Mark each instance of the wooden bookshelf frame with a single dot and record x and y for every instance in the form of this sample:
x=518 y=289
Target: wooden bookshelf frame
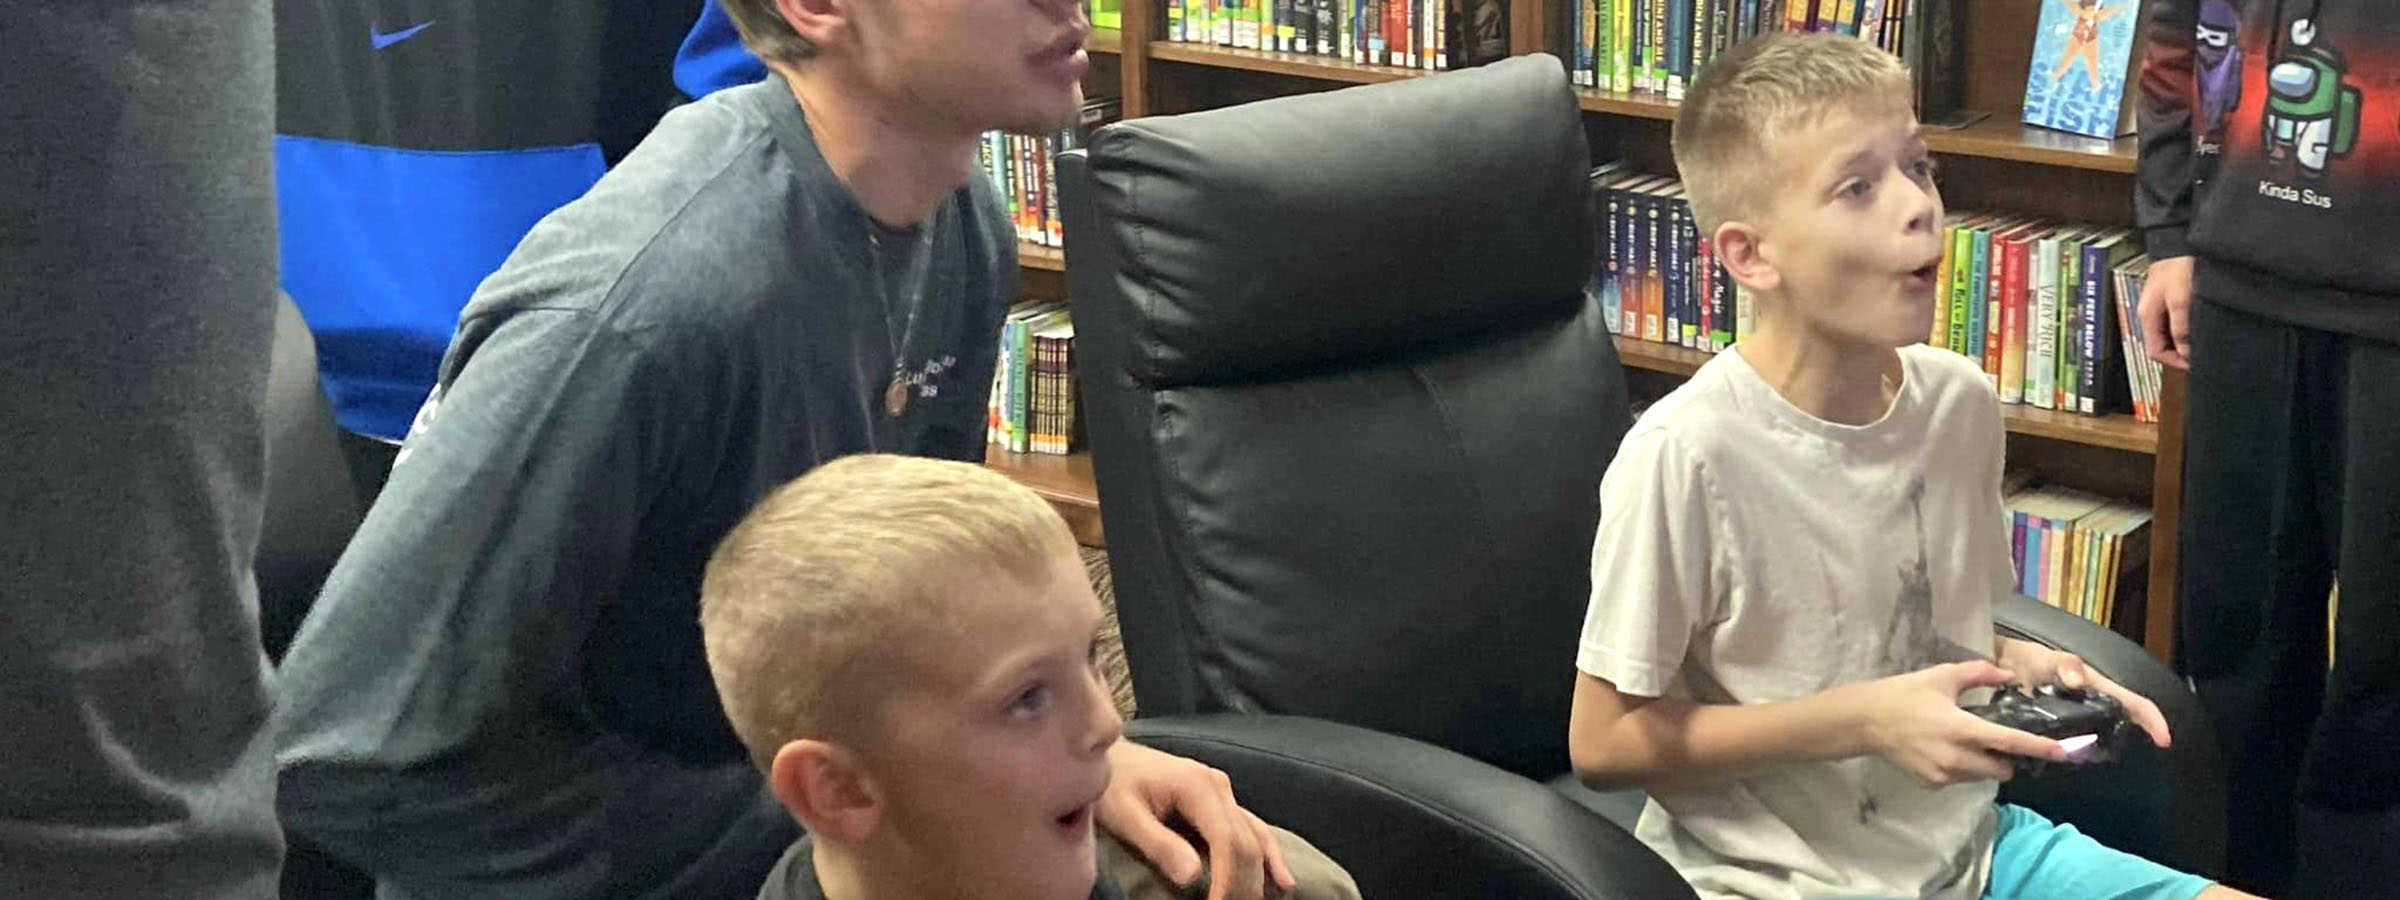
x=1995 y=159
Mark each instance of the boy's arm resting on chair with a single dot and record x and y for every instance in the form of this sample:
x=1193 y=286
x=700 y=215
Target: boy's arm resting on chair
x=1657 y=580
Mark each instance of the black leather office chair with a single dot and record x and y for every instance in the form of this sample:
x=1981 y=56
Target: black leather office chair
x=1349 y=408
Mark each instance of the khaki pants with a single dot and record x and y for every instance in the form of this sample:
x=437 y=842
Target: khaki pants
x=1315 y=876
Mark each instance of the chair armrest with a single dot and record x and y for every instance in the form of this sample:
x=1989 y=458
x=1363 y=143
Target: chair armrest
x=2167 y=806
x=1409 y=819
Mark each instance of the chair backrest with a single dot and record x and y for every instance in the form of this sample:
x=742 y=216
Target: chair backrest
x=311 y=506
x=1349 y=404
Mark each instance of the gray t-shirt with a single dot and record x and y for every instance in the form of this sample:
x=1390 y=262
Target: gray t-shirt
x=137 y=272
x=502 y=691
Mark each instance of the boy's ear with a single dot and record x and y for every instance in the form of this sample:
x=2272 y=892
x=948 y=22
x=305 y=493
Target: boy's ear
x=821 y=22
x=822 y=784
x=1741 y=250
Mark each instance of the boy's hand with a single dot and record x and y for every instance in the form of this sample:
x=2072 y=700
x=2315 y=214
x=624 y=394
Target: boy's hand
x=2166 y=311
x=2041 y=665
x=1915 y=721
x=1146 y=785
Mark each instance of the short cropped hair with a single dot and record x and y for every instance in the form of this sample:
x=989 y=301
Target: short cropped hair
x=811 y=607
x=766 y=33
x=1735 y=114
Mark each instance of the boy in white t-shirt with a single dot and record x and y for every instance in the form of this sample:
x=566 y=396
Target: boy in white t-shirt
x=1798 y=550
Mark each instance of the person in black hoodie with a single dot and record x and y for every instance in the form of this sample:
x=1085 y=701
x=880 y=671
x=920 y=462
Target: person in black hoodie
x=2274 y=281
x=909 y=650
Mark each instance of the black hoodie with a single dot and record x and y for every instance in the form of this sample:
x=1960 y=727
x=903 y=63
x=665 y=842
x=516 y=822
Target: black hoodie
x=2270 y=150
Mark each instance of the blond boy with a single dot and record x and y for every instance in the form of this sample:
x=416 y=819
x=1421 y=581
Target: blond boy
x=1799 y=548
x=907 y=648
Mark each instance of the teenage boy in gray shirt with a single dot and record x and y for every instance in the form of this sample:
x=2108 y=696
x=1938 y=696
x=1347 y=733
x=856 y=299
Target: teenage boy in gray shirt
x=501 y=692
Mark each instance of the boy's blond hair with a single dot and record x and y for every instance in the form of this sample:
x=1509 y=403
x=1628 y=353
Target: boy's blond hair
x=812 y=607
x=1744 y=102
x=766 y=33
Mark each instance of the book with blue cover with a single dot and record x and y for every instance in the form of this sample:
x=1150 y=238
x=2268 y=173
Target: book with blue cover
x=2082 y=65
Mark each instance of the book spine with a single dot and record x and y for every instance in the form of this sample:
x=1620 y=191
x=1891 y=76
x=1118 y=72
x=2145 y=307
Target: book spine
x=2070 y=357
x=1653 y=306
x=1671 y=267
x=1577 y=57
x=1941 y=284
x=2012 y=320
x=1604 y=31
x=2091 y=333
x=2042 y=366
x=1687 y=243
x=1704 y=271
x=1612 y=298
x=1620 y=47
x=1629 y=294
x=1996 y=271
x=1962 y=268
x=1637 y=46
x=1441 y=34
x=2129 y=345
x=1661 y=46
x=1728 y=316
x=1979 y=245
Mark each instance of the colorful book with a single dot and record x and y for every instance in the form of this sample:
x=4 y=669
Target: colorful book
x=2082 y=64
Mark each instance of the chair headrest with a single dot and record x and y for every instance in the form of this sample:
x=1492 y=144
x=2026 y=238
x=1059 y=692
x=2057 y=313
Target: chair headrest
x=1296 y=233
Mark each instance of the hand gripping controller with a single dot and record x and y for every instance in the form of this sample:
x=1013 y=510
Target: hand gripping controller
x=2090 y=724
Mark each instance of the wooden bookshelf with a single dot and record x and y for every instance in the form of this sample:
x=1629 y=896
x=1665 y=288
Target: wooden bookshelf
x=1104 y=40
x=2115 y=432
x=1658 y=357
x=1993 y=163
x=1992 y=137
x=1298 y=65
x=1036 y=256
x=1065 y=481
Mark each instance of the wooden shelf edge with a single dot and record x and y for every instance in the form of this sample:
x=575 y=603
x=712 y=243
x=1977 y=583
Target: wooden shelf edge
x=2115 y=432
x=1065 y=481
x=1036 y=256
x=1993 y=137
x=1104 y=40
x=1300 y=65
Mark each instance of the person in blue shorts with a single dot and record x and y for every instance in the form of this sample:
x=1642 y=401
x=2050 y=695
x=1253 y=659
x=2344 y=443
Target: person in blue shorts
x=1799 y=549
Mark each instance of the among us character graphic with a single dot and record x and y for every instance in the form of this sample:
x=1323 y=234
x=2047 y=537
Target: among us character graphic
x=2218 y=39
x=2311 y=115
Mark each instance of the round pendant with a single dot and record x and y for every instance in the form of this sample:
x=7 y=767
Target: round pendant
x=895 y=398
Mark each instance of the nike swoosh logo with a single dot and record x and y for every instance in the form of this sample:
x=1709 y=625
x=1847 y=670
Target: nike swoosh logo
x=382 y=39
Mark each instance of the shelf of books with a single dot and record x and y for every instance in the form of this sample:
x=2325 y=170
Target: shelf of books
x=2076 y=550
x=1034 y=421
x=1333 y=40
x=2043 y=306
x=1019 y=167
x=1301 y=65
x=1989 y=137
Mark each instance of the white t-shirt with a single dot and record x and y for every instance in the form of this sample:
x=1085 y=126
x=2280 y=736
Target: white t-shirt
x=1749 y=552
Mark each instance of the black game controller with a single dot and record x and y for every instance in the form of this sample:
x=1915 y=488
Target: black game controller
x=2090 y=724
